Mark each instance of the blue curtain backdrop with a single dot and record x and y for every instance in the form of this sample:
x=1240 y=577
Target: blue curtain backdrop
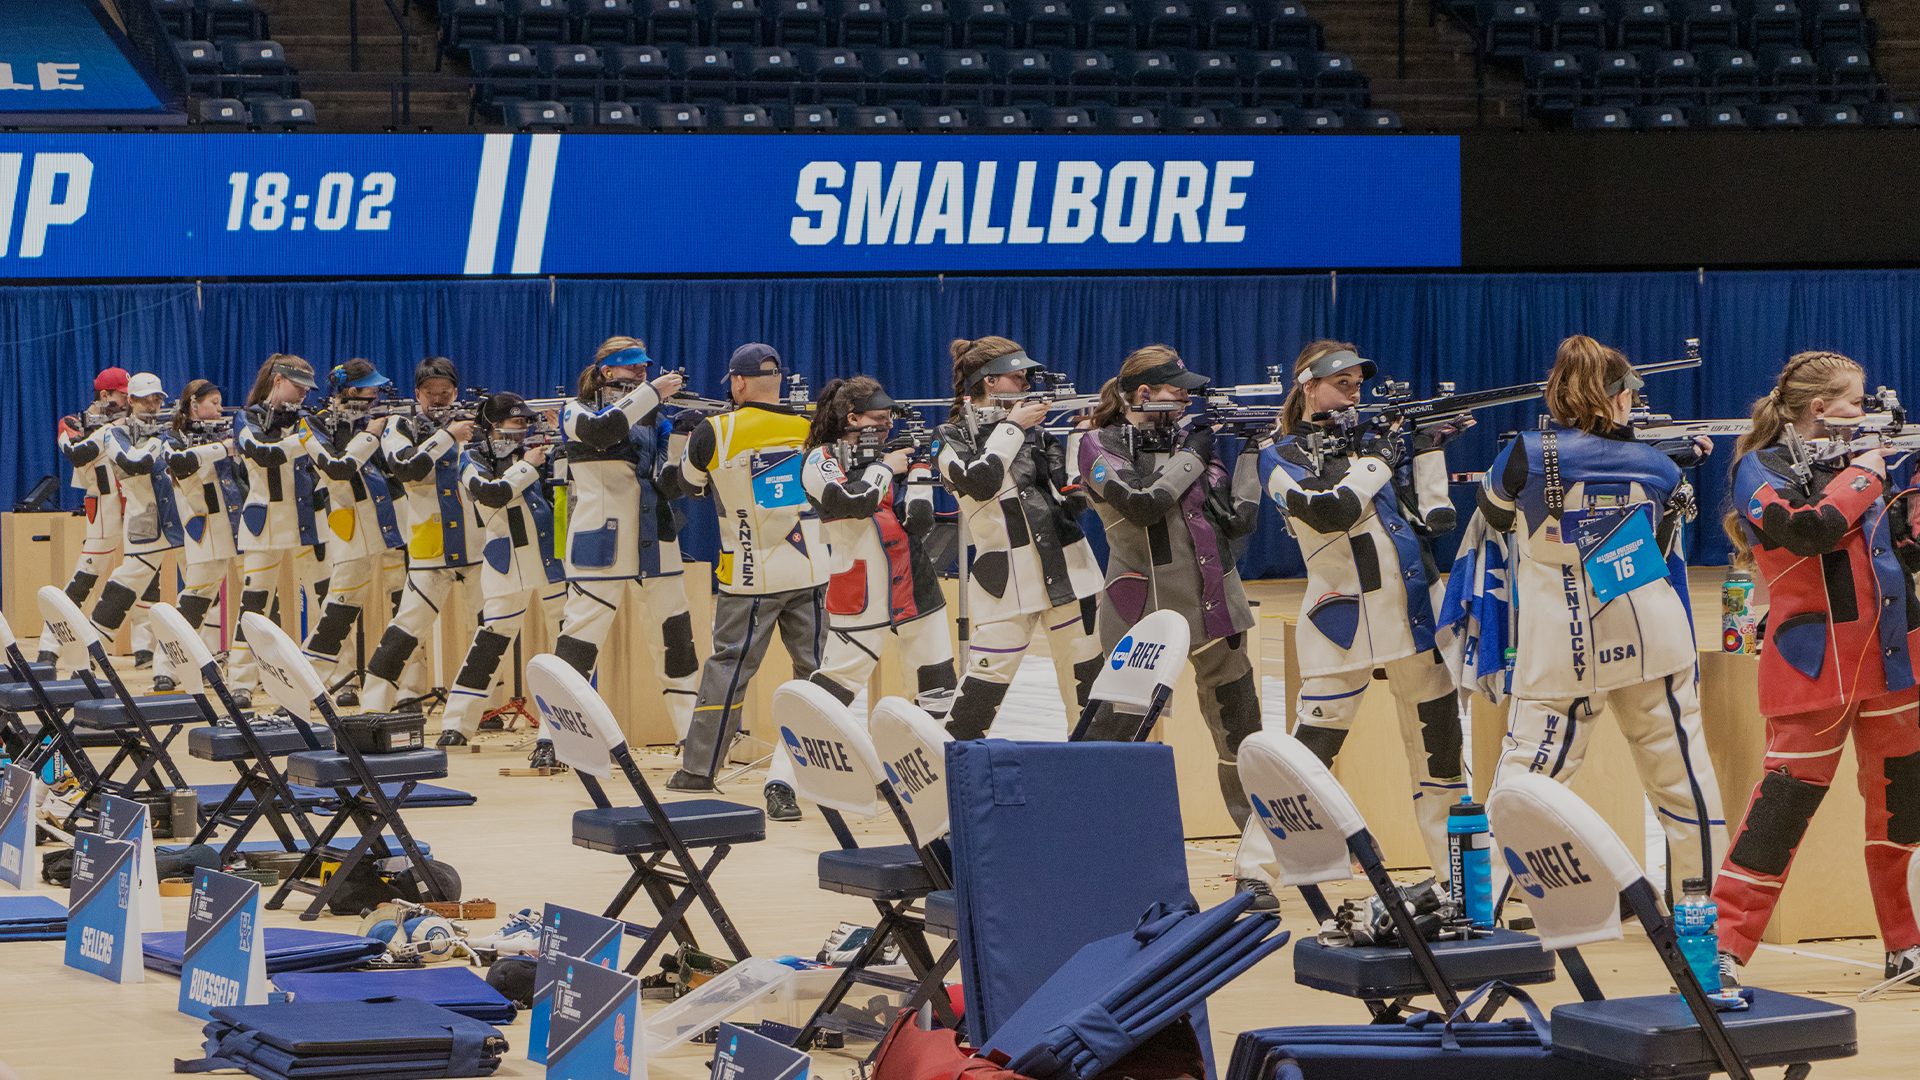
x=533 y=336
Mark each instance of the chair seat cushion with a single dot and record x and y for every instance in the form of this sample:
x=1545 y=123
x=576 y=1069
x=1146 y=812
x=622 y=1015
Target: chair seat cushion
x=43 y=672
x=1372 y=972
x=18 y=697
x=1656 y=1037
x=224 y=742
x=106 y=714
x=326 y=768
x=943 y=914
x=883 y=873
x=700 y=822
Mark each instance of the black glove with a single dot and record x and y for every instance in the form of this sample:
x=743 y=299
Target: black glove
x=686 y=420
x=1200 y=441
x=1384 y=445
x=1439 y=435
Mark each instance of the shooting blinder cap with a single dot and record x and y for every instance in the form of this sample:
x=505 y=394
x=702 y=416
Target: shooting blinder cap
x=436 y=367
x=295 y=375
x=1171 y=373
x=876 y=400
x=634 y=357
x=1017 y=360
x=502 y=407
x=343 y=377
x=1335 y=362
x=1630 y=381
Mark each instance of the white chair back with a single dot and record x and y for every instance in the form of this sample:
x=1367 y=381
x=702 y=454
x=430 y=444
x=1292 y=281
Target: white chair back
x=1304 y=813
x=834 y=762
x=285 y=674
x=572 y=714
x=913 y=750
x=1152 y=654
x=70 y=626
x=1568 y=866
x=173 y=635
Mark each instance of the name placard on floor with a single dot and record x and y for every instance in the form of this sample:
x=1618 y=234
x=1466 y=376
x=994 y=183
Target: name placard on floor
x=16 y=825
x=566 y=936
x=740 y=1054
x=594 y=1032
x=103 y=910
x=226 y=962
x=125 y=819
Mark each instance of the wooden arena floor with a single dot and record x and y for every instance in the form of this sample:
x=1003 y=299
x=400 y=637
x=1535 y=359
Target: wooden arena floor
x=513 y=847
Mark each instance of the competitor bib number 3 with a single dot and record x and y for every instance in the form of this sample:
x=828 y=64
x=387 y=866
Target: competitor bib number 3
x=777 y=482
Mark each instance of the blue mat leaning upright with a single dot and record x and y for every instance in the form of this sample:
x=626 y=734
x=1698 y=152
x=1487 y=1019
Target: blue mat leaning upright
x=1055 y=846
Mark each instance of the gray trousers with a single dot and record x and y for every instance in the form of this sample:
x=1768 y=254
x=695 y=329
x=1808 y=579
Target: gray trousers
x=742 y=629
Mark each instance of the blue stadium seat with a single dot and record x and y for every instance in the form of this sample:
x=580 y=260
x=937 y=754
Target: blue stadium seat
x=705 y=70
x=934 y=119
x=502 y=74
x=233 y=20
x=1127 y=119
x=1771 y=22
x=1256 y=120
x=465 y=22
x=1005 y=120
x=1641 y=24
x=1576 y=24
x=1064 y=119
x=1211 y=76
x=1706 y=23
x=1847 y=75
x=1372 y=122
x=287 y=114
x=1601 y=117
x=981 y=24
x=870 y=120
x=1731 y=75
x=1150 y=77
x=1613 y=79
x=619 y=114
x=180 y=19
x=538 y=116
x=573 y=74
x=1286 y=25
x=963 y=74
x=1553 y=84
x=796 y=22
x=836 y=73
x=1045 y=24
x=1228 y=24
x=542 y=20
x=258 y=67
x=1834 y=115
x=1166 y=24
x=1836 y=22
x=1315 y=121
x=731 y=22
x=742 y=120
x=859 y=23
x=1026 y=75
x=1191 y=120
x=766 y=75
x=903 y=73
x=606 y=22
x=667 y=117
x=1508 y=27
x=1334 y=81
x=1775 y=117
x=1107 y=24
x=1090 y=76
x=669 y=21
x=218 y=112
x=638 y=72
x=1790 y=74
x=1884 y=115
x=1720 y=117
x=203 y=64
x=1658 y=118
x=1671 y=76
x=802 y=119
x=921 y=23
x=1272 y=77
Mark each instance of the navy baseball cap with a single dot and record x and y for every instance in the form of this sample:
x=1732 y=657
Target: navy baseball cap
x=754 y=359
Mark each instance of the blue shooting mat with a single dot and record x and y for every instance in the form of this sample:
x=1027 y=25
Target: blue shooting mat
x=322 y=799
x=32 y=918
x=1056 y=845
x=1118 y=992
x=456 y=989
x=288 y=949
x=391 y=1039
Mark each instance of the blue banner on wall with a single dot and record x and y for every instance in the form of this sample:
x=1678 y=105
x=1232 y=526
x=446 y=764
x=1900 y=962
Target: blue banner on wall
x=183 y=206
x=64 y=57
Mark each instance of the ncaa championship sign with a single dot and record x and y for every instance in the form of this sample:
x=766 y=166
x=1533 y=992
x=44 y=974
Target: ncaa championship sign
x=107 y=206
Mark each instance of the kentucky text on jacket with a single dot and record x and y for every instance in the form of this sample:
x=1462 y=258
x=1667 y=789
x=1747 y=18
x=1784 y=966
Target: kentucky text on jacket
x=1132 y=201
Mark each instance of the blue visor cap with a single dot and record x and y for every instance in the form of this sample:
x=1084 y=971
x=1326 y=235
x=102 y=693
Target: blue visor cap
x=633 y=357
x=370 y=380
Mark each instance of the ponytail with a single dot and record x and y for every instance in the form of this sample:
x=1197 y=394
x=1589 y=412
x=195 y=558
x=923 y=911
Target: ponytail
x=592 y=378
x=968 y=358
x=196 y=391
x=829 y=423
x=1577 y=387
x=263 y=382
x=1293 y=413
x=1113 y=401
x=1807 y=376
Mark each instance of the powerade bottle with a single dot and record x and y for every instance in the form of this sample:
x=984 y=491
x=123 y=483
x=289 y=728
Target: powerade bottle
x=1693 y=919
x=1469 y=875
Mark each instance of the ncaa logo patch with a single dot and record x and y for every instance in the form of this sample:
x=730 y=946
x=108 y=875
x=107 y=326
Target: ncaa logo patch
x=1121 y=652
x=1099 y=472
x=1267 y=817
x=1522 y=876
x=793 y=746
x=899 y=788
x=1753 y=506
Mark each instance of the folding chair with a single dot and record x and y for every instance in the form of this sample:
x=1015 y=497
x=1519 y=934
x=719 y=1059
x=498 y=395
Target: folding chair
x=130 y=720
x=1575 y=873
x=34 y=689
x=836 y=768
x=913 y=751
x=586 y=737
x=1136 y=683
x=243 y=744
x=289 y=679
x=1314 y=830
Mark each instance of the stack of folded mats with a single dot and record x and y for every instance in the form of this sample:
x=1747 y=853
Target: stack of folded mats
x=1120 y=991
x=456 y=989
x=365 y=1040
x=287 y=950
x=322 y=799
x=32 y=918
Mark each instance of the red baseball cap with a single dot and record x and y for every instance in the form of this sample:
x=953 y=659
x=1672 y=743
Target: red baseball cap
x=111 y=379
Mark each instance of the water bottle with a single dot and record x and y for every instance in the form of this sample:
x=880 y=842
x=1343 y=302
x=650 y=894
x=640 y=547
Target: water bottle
x=1738 y=623
x=1693 y=919
x=1469 y=874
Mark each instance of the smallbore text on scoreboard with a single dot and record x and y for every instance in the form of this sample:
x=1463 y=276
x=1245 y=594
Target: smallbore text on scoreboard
x=105 y=206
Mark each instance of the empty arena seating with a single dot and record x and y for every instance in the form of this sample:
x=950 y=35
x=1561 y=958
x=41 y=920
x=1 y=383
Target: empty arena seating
x=236 y=71
x=1658 y=64
x=908 y=65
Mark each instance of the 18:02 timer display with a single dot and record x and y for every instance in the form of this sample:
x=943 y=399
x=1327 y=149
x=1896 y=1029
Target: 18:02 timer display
x=266 y=203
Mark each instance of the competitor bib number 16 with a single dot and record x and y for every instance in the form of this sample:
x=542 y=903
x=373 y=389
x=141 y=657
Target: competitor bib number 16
x=1618 y=550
